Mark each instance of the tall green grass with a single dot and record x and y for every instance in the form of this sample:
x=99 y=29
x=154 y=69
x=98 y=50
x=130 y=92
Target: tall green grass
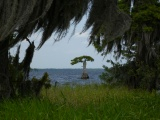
x=84 y=103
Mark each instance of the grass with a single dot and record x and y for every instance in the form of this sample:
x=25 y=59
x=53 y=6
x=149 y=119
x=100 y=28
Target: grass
x=84 y=103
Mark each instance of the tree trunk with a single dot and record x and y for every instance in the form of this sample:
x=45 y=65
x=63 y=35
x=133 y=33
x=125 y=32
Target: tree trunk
x=5 y=89
x=153 y=83
x=84 y=74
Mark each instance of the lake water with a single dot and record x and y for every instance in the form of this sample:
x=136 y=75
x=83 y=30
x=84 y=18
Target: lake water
x=69 y=76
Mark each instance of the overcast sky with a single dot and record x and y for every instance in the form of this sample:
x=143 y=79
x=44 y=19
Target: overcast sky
x=60 y=54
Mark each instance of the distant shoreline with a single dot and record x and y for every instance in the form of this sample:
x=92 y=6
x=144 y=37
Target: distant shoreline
x=60 y=68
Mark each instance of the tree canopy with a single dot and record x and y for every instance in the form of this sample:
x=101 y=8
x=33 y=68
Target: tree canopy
x=23 y=18
x=81 y=59
x=143 y=32
x=140 y=45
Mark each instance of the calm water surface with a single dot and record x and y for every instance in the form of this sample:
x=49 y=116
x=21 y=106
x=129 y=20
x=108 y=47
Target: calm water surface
x=69 y=76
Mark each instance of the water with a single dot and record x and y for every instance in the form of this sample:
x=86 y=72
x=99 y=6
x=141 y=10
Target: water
x=69 y=76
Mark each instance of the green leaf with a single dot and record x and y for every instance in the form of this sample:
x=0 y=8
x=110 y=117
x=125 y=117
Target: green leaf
x=81 y=59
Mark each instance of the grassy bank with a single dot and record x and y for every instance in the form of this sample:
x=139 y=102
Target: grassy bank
x=84 y=102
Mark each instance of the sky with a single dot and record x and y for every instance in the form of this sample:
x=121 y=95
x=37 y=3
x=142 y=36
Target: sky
x=59 y=54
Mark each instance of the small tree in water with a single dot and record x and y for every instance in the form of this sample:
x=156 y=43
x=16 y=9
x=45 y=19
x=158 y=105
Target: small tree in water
x=84 y=60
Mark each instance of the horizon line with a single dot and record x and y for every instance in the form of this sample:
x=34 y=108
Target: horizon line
x=66 y=68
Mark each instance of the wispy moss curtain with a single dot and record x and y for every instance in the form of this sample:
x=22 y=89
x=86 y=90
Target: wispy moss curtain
x=28 y=16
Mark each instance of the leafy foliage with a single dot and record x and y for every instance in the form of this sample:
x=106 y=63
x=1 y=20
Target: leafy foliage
x=20 y=83
x=139 y=46
x=81 y=59
x=134 y=74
